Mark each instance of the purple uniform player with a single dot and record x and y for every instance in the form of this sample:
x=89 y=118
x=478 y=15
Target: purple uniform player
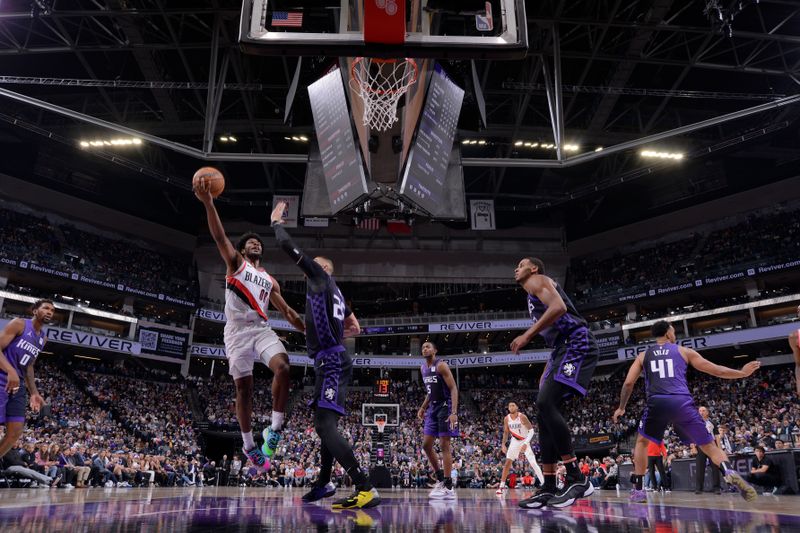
x=21 y=341
x=568 y=373
x=669 y=402
x=328 y=321
x=438 y=413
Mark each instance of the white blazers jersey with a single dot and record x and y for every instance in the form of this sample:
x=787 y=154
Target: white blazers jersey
x=247 y=294
x=516 y=428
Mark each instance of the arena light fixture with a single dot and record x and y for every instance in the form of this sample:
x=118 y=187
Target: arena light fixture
x=118 y=142
x=598 y=149
x=519 y=143
x=653 y=154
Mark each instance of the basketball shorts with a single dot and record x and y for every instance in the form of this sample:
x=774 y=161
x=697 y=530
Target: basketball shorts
x=436 y=421
x=679 y=410
x=573 y=360
x=12 y=406
x=515 y=448
x=247 y=341
x=333 y=369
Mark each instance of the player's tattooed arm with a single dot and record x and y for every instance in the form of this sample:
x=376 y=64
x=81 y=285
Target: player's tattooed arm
x=704 y=365
x=317 y=277
x=627 y=388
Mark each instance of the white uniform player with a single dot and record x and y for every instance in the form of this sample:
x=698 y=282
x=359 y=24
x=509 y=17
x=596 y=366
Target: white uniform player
x=248 y=335
x=521 y=431
x=249 y=290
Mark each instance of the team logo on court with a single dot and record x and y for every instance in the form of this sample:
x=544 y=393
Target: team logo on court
x=568 y=369
x=330 y=393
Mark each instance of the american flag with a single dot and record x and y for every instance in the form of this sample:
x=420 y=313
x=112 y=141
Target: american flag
x=370 y=224
x=287 y=18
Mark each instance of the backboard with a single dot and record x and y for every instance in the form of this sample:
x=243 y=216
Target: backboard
x=370 y=412
x=443 y=29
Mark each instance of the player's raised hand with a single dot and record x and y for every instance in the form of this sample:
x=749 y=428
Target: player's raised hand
x=202 y=190
x=617 y=414
x=277 y=214
x=750 y=367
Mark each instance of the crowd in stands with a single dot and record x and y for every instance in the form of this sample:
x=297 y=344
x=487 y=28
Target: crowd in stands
x=64 y=246
x=136 y=427
x=759 y=239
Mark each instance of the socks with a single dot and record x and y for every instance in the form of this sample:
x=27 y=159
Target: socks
x=725 y=467
x=249 y=443
x=440 y=475
x=549 y=482
x=277 y=421
x=359 y=479
x=637 y=481
x=572 y=469
x=448 y=483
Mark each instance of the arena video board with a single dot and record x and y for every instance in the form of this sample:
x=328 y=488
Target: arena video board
x=163 y=342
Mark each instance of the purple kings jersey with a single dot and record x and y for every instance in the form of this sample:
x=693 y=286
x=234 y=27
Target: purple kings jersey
x=434 y=383
x=566 y=323
x=22 y=351
x=664 y=370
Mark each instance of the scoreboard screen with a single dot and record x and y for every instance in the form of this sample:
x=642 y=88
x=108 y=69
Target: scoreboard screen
x=382 y=388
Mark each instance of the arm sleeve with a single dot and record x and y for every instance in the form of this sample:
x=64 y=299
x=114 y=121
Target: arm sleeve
x=317 y=277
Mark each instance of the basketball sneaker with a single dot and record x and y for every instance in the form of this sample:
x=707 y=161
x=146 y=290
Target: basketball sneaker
x=441 y=492
x=319 y=492
x=573 y=490
x=360 y=499
x=271 y=439
x=538 y=500
x=638 y=496
x=257 y=457
x=745 y=489
x=501 y=489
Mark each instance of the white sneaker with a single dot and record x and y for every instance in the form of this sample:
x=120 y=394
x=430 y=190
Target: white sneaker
x=438 y=491
x=69 y=486
x=109 y=484
x=500 y=490
x=448 y=494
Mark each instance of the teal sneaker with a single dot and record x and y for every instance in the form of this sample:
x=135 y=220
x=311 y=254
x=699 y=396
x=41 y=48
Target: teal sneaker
x=271 y=439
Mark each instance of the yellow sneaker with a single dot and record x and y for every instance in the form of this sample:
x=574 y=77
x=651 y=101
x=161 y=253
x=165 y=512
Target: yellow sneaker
x=360 y=499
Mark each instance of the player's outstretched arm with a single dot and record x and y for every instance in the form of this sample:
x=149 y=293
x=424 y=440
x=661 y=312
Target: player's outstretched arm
x=627 y=388
x=704 y=365
x=11 y=330
x=794 y=344
x=317 y=277
x=544 y=289
x=229 y=254
x=277 y=301
x=444 y=370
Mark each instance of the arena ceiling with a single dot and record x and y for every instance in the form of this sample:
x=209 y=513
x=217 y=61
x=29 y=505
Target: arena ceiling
x=628 y=70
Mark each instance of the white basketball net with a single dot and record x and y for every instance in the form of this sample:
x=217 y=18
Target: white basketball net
x=380 y=83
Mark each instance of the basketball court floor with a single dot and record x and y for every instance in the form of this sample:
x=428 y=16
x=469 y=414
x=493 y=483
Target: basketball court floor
x=259 y=509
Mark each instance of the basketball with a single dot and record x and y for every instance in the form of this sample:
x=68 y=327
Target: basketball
x=214 y=178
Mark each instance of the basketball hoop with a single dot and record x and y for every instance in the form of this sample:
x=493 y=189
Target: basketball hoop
x=380 y=84
x=381 y=425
